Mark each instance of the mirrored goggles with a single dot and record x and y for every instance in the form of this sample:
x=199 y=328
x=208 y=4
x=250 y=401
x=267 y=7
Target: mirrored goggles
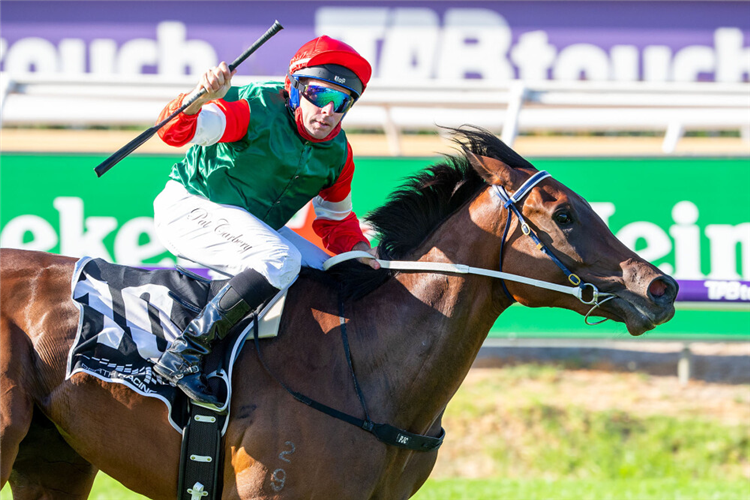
x=322 y=96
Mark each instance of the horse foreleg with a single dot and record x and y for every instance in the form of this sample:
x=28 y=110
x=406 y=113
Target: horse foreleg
x=16 y=405
x=47 y=467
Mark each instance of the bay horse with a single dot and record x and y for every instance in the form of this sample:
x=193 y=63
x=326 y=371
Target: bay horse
x=414 y=336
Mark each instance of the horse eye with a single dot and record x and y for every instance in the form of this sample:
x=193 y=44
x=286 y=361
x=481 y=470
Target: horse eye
x=563 y=218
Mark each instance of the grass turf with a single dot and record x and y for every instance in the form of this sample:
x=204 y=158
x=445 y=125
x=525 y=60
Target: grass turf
x=106 y=488
x=524 y=425
x=537 y=489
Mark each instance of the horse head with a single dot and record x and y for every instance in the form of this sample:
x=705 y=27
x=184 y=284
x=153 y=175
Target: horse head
x=638 y=294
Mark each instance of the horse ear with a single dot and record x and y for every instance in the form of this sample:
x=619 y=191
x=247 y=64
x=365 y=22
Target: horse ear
x=493 y=170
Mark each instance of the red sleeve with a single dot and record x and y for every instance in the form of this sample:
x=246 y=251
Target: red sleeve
x=340 y=235
x=343 y=185
x=238 y=119
x=181 y=129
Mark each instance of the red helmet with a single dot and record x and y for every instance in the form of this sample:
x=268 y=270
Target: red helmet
x=325 y=58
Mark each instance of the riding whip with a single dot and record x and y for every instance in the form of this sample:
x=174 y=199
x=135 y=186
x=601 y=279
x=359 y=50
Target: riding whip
x=128 y=148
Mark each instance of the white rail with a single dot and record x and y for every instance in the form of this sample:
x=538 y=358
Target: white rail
x=506 y=107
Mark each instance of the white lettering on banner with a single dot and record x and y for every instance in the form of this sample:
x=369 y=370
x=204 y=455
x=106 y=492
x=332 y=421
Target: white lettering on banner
x=690 y=62
x=732 y=59
x=366 y=24
x=728 y=245
x=72 y=56
x=657 y=243
x=656 y=63
x=533 y=56
x=582 y=61
x=624 y=63
x=411 y=45
x=128 y=248
x=176 y=53
x=170 y=53
x=476 y=43
x=74 y=241
x=724 y=241
x=469 y=42
x=103 y=57
x=687 y=247
x=135 y=54
x=31 y=54
x=43 y=235
x=729 y=290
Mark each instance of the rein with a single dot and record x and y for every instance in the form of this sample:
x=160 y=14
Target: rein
x=509 y=202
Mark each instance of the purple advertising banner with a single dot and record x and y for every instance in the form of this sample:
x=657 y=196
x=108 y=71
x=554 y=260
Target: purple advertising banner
x=714 y=291
x=405 y=41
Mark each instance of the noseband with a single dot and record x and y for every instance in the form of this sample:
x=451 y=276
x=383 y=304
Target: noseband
x=509 y=202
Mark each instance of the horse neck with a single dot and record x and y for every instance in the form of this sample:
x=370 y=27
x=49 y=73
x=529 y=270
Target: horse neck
x=424 y=330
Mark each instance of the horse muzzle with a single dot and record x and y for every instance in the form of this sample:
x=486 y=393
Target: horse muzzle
x=643 y=311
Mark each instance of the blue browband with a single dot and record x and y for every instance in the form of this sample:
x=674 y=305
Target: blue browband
x=509 y=202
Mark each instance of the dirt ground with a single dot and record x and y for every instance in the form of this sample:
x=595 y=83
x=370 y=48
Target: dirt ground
x=635 y=392
x=637 y=376
x=109 y=141
x=720 y=362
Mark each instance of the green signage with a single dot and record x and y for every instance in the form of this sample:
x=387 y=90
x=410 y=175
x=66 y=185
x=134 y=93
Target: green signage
x=689 y=216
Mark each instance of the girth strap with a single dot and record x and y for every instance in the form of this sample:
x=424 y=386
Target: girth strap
x=385 y=433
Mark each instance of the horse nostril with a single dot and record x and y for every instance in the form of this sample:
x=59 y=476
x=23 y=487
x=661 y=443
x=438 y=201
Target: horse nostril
x=662 y=289
x=657 y=288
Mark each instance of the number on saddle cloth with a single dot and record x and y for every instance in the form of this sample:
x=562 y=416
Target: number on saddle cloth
x=129 y=316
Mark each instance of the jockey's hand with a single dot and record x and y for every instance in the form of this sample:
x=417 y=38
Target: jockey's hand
x=217 y=81
x=364 y=247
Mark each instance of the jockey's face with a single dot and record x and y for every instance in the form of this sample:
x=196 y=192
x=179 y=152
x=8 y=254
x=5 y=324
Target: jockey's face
x=319 y=122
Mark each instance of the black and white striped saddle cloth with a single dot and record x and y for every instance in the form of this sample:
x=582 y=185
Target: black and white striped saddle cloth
x=129 y=317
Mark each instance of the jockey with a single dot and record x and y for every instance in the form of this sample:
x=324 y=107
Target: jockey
x=256 y=160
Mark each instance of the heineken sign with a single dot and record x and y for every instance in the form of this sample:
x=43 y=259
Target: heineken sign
x=668 y=210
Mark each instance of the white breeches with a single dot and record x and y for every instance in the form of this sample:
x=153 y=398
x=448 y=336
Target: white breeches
x=230 y=239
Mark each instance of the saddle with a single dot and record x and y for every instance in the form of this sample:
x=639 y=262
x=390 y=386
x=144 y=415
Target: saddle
x=130 y=316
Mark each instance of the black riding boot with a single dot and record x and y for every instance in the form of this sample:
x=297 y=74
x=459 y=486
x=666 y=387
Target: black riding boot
x=182 y=363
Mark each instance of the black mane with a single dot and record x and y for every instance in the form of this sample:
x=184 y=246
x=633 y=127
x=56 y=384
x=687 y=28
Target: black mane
x=426 y=199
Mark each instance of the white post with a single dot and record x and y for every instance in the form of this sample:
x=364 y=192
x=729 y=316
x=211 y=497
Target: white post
x=7 y=86
x=392 y=133
x=745 y=133
x=517 y=94
x=672 y=137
